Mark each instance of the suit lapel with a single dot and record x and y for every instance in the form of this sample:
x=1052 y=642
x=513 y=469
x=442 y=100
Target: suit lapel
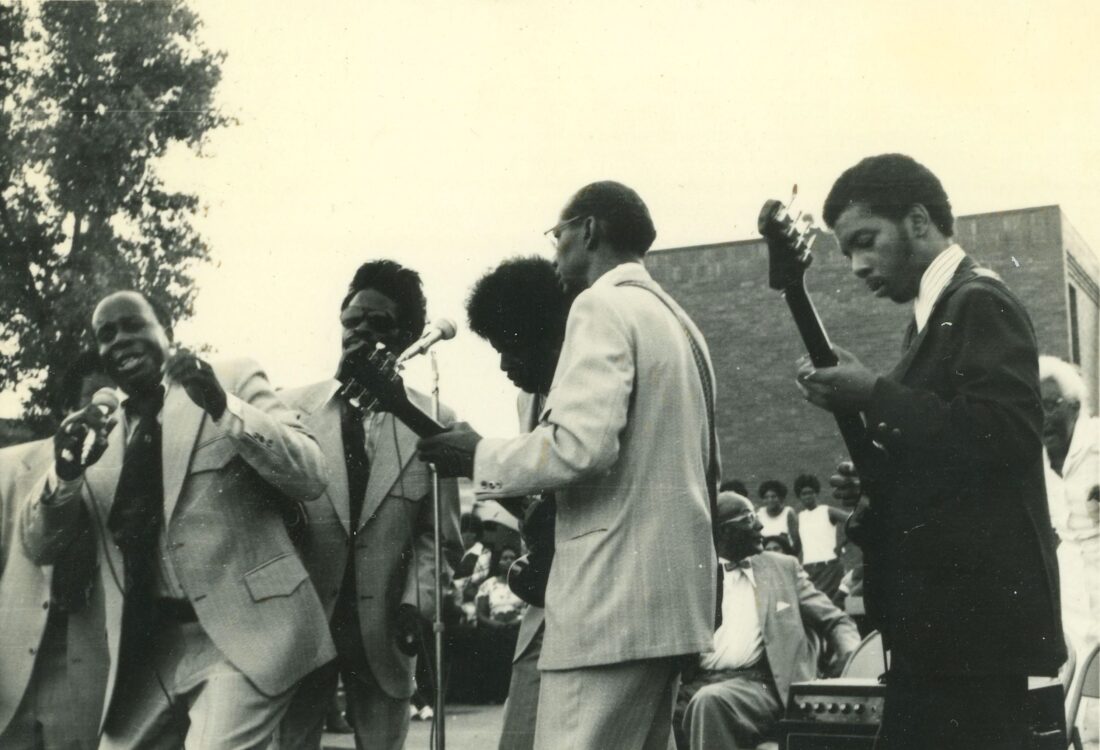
x=102 y=476
x=963 y=273
x=325 y=425
x=394 y=447
x=180 y=422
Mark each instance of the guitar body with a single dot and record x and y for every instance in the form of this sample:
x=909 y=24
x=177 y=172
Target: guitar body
x=529 y=575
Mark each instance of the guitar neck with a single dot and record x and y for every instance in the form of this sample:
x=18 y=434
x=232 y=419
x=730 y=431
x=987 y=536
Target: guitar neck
x=852 y=428
x=416 y=420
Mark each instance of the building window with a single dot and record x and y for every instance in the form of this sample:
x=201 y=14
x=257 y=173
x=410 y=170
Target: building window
x=1074 y=332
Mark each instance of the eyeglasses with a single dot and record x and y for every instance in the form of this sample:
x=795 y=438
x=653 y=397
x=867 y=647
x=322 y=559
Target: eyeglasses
x=554 y=232
x=379 y=322
x=745 y=518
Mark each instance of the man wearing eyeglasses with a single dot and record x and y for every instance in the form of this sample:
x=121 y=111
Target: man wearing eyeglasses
x=624 y=441
x=761 y=646
x=369 y=549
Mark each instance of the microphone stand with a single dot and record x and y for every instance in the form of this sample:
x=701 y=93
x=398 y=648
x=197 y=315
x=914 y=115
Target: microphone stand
x=437 y=625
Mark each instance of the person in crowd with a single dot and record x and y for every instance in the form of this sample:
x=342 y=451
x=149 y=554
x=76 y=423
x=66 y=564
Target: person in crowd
x=633 y=502
x=521 y=310
x=778 y=518
x=474 y=567
x=1072 y=440
x=370 y=547
x=209 y=624
x=819 y=527
x=960 y=573
x=778 y=544
x=54 y=614
x=769 y=608
x=499 y=612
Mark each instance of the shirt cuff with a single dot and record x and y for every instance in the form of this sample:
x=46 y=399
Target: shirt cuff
x=232 y=419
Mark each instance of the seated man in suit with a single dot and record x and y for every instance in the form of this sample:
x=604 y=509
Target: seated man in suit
x=210 y=615
x=761 y=646
x=370 y=548
x=52 y=615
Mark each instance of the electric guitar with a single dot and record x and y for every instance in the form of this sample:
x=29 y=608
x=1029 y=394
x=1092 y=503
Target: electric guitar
x=370 y=381
x=789 y=243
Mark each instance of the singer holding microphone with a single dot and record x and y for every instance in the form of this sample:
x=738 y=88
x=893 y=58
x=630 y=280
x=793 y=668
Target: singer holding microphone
x=210 y=619
x=370 y=546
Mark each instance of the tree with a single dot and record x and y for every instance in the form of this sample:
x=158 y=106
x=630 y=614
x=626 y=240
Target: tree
x=93 y=93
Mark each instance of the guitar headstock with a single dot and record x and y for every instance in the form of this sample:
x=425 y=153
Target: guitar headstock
x=371 y=380
x=789 y=242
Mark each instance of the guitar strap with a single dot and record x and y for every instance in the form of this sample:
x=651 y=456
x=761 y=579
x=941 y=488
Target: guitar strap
x=713 y=464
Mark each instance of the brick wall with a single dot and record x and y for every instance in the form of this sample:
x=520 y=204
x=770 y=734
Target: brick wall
x=765 y=427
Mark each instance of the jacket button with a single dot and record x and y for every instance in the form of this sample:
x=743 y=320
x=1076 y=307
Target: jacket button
x=32 y=649
x=895 y=432
x=46 y=604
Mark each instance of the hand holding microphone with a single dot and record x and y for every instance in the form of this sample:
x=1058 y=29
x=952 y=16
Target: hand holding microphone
x=82 y=437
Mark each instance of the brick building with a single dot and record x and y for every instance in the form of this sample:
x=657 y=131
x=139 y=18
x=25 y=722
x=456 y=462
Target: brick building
x=766 y=429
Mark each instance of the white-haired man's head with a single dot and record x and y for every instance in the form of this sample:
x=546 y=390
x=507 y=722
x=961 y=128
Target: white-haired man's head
x=1064 y=398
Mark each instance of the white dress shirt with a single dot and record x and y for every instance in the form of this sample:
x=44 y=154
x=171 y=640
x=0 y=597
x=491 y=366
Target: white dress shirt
x=739 y=641
x=934 y=281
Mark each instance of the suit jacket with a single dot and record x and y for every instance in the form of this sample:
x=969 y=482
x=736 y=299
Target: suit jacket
x=527 y=404
x=789 y=608
x=227 y=543
x=393 y=544
x=967 y=578
x=25 y=602
x=623 y=443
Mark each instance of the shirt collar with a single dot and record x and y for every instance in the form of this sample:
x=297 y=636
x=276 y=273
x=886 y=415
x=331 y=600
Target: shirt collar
x=934 y=280
x=731 y=576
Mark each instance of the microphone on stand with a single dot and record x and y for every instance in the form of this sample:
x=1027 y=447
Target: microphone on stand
x=440 y=329
x=106 y=400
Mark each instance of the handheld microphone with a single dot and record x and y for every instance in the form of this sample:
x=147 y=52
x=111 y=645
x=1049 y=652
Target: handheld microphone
x=106 y=400
x=440 y=329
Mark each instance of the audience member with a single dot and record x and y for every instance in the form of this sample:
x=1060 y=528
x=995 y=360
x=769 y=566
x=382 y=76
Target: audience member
x=498 y=616
x=779 y=518
x=818 y=527
x=768 y=607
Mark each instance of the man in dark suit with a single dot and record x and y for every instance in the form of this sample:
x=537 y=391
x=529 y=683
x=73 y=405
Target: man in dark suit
x=961 y=576
x=762 y=645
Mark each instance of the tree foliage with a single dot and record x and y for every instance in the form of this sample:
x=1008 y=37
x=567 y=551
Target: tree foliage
x=93 y=93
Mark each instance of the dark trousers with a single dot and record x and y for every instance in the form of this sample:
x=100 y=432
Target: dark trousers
x=954 y=711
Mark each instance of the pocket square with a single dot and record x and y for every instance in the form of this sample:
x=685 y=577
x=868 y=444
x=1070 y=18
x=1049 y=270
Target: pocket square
x=780 y=606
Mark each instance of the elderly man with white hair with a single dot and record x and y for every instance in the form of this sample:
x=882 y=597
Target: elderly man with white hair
x=1072 y=440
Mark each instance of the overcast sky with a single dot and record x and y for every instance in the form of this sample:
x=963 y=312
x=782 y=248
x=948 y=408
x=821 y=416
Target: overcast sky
x=448 y=135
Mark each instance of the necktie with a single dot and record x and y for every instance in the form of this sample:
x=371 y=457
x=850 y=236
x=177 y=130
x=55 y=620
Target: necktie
x=138 y=508
x=135 y=520
x=739 y=564
x=355 y=459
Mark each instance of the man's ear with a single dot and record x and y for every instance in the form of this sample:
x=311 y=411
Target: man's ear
x=917 y=221
x=592 y=233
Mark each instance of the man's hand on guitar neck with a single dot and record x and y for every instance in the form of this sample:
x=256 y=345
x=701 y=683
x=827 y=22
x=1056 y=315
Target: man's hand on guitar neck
x=845 y=484
x=845 y=387
x=451 y=452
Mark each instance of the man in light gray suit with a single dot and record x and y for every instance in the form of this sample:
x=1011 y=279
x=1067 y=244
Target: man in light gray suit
x=769 y=607
x=624 y=442
x=369 y=551
x=53 y=651
x=211 y=618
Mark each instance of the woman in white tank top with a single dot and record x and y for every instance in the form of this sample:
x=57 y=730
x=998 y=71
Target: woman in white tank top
x=777 y=518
